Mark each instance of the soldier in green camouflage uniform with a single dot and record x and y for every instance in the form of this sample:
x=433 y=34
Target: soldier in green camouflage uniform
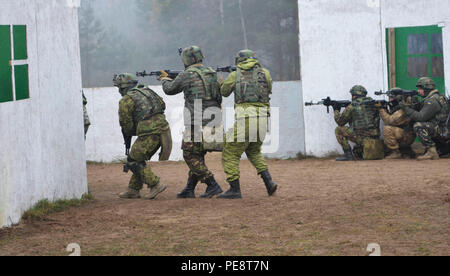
x=252 y=86
x=431 y=120
x=364 y=123
x=141 y=114
x=201 y=92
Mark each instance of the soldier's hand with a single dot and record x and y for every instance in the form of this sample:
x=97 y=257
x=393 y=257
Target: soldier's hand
x=378 y=105
x=336 y=107
x=164 y=76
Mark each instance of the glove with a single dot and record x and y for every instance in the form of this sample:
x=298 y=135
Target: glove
x=378 y=106
x=164 y=76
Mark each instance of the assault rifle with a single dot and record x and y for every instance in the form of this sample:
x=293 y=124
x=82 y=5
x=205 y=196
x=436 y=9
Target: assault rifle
x=226 y=69
x=398 y=92
x=127 y=140
x=172 y=74
x=329 y=102
x=341 y=104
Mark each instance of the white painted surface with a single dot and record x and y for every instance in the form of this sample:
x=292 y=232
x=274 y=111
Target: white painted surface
x=105 y=143
x=42 y=146
x=342 y=43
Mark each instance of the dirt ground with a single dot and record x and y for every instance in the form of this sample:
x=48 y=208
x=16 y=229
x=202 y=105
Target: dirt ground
x=322 y=208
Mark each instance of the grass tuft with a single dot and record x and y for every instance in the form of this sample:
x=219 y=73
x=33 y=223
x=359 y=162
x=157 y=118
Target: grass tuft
x=45 y=207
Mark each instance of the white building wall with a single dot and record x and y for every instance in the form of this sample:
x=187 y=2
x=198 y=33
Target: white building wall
x=105 y=142
x=343 y=43
x=42 y=152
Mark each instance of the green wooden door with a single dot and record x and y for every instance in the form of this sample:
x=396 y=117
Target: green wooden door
x=419 y=53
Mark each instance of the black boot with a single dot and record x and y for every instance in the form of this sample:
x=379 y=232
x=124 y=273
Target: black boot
x=270 y=185
x=189 y=191
x=213 y=188
x=348 y=156
x=234 y=192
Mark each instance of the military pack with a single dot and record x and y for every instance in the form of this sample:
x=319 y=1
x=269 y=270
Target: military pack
x=365 y=115
x=146 y=103
x=252 y=86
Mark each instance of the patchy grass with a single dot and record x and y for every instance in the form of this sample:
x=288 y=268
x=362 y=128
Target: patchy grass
x=45 y=207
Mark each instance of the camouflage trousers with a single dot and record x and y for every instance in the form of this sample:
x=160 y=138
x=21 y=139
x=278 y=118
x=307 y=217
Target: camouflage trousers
x=238 y=142
x=426 y=132
x=346 y=134
x=143 y=150
x=395 y=137
x=194 y=155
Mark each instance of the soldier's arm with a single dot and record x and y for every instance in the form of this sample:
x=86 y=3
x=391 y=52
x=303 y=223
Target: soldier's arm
x=269 y=79
x=397 y=119
x=126 y=108
x=229 y=85
x=176 y=86
x=345 y=117
x=430 y=108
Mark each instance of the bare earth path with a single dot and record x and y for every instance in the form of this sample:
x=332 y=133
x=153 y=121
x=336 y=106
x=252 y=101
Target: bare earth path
x=322 y=208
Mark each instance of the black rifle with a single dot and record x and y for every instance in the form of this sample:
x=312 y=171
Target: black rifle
x=127 y=140
x=226 y=69
x=329 y=102
x=398 y=92
x=172 y=74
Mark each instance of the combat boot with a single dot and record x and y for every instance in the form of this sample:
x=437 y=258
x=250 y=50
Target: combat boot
x=348 y=156
x=431 y=154
x=130 y=194
x=270 y=185
x=394 y=155
x=234 y=192
x=189 y=191
x=155 y=191
x=213 y=188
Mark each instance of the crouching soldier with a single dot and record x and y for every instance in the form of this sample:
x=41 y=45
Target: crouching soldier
x=141 y=114
x=431 y=121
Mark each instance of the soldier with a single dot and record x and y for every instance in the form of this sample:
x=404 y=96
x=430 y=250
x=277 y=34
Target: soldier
x=430 y=121
x=141 y=113
x=252 y=86
x=201 y=92
x=398 y=131
x=364 y=123
x=87 y=122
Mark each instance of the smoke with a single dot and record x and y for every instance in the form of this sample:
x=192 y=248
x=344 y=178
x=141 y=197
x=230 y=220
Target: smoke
x=134 y=35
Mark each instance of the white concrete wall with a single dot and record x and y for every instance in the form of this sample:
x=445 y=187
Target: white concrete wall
x=343 y=43
x=42 y=152
x=105 y=143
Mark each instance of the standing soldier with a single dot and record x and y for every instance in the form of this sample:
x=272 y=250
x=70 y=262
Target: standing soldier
x=398 y=131
x=364 y=123
x=141 y=113
x=201 y=91
x=431 y=120
x=252 y=86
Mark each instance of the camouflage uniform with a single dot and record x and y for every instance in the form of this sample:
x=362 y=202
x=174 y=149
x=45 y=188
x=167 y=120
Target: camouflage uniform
x=398 y=131
x=199 y=84
x=430 y=121
x=87 y=122
x=252 y=87
x=364 y=123
x=141 y=114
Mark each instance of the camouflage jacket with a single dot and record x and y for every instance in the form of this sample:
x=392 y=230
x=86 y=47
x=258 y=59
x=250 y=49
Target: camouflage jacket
x=347 y=118
x=434 y=109
x=397 y=119
x=154 y=125
x=196 y=87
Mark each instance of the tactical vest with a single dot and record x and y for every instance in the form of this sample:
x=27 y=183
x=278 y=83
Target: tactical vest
x=365 y=115
x=442 y=116
x=251 y=86
x=204 y=85
x=146 y=103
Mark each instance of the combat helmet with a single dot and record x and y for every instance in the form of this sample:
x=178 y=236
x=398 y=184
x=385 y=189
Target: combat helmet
x=192 y=55
x=426 y=84
x=244 y=55
x=358 y=91
x=124 y=81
